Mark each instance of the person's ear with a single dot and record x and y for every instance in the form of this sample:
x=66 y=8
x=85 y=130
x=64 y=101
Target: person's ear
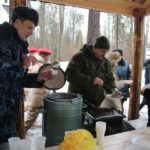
x=17 y=22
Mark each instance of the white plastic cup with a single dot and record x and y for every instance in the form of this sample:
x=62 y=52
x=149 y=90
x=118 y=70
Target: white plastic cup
x=14 y=143
x=40 y=142
x=100 y=132
x=25 y=144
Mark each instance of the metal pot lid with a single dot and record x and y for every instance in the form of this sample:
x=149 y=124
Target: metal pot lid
x=57 y=81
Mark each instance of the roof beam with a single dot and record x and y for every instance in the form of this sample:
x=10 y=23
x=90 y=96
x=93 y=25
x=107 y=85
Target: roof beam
x=124 y=7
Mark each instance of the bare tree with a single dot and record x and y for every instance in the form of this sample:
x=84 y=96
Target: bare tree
x=93 y=26
x=147 y=25
x=61 y=29
x=73 y=38
x=41 y=41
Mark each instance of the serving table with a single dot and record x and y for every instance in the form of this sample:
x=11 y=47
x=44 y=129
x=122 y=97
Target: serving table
x=118 y=141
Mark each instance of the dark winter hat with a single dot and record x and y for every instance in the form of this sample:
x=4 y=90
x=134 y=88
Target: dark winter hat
x=102 y=43
x=119 y=50
x=25 y=13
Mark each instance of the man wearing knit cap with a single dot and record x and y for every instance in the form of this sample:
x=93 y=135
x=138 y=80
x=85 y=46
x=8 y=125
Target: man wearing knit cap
x=89 y=71
x=123 y=74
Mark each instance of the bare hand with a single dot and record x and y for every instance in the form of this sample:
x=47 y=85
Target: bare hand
x=47 y=75
x=98 y=81
x=27 y=60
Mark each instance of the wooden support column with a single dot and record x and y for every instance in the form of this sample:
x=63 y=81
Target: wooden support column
x=137 y=64
x=20 y=124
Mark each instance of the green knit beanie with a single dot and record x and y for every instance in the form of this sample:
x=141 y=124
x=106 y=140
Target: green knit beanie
x=102 y=43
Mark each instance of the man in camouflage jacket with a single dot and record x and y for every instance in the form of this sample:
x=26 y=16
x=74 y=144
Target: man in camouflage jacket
x=89 y=72
x=13 y=67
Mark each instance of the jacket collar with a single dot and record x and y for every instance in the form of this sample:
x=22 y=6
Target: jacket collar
x=8 y=32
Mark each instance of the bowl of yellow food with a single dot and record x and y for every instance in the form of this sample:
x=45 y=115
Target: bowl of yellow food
x=78 y=140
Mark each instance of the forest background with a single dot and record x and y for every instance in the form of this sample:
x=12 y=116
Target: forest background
x=64 y=29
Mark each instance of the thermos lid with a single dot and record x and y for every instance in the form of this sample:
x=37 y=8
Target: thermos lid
x=58 y=80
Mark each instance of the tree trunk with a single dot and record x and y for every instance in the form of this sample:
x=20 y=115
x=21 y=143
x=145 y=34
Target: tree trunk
x=117 y=29
x=41 y=41
x=93 y=26
x=61 y=29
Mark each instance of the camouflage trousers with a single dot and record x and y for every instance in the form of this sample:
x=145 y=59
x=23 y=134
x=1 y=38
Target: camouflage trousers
x=32 y=115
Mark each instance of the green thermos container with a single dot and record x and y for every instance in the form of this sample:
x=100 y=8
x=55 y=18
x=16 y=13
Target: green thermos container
x=62 y=112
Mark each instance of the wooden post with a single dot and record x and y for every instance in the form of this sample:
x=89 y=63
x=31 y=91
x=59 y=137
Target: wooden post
x=137 y=63
x=20 y=124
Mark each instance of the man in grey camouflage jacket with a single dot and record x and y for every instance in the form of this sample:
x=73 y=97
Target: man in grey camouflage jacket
x=14 y=63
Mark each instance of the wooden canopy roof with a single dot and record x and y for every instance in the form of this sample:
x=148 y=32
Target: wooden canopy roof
x=125 y=7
